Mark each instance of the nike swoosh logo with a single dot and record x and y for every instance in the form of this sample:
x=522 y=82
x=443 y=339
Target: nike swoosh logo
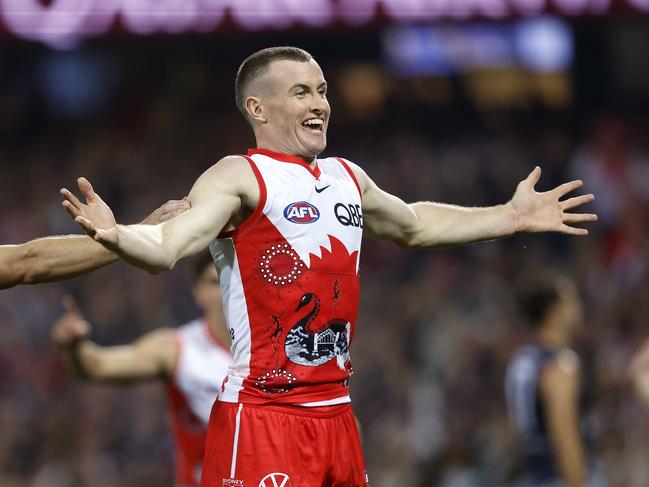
x=320 y=190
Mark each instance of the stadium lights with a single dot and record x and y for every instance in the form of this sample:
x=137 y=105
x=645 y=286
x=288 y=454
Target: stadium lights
x=63 y=23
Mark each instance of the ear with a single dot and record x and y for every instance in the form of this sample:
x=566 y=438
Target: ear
x=255 y=110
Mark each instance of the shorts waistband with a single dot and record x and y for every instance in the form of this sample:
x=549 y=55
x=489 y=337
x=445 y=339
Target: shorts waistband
x=323 y=412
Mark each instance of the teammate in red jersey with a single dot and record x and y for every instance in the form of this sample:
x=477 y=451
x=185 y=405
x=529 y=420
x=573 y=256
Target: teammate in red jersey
x=285 y=230
x=57 y=258
x=192 y=360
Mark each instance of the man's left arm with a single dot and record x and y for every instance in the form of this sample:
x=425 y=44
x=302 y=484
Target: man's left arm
x=429 y=224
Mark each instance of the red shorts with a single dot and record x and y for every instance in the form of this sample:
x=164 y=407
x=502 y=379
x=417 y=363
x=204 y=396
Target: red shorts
x=282 y=446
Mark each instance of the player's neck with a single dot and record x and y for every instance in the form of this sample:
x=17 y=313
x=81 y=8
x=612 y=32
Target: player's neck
x=553 y=337
x=267 y=144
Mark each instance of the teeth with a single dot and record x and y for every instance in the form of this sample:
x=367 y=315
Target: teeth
x=313 y=121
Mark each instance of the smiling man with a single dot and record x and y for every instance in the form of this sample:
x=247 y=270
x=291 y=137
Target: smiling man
x=285 y=230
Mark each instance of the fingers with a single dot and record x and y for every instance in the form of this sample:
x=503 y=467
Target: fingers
x=579 y=217
x=71 y=327
x=174 y=208
x=69 y=330
x=576 y=201
x=70 y=209
x=169 y=210
x=70 y=304
x=87 y=226
x=86 y=189
x=534 y=176
x=70 y=202
x=573 y=230
x=567 y=187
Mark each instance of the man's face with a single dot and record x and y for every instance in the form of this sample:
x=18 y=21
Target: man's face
x=296 y=108
x=570 y=308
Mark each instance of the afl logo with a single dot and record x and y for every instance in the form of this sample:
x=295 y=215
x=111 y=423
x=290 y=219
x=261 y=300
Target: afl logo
x=301 y=212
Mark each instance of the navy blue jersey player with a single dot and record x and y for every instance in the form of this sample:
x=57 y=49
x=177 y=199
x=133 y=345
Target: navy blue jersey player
x=543 y=387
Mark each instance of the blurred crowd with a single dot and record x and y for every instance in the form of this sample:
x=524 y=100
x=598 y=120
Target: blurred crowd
x=435 y=330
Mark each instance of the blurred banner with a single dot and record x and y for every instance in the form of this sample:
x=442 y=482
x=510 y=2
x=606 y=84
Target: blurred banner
x=64 y=23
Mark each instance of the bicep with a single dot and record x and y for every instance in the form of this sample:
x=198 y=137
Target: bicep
x=215 y=198
x=386 y=216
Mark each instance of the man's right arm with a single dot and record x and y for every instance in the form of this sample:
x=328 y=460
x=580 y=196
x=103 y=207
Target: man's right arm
x=217 y=196
x=152 y=356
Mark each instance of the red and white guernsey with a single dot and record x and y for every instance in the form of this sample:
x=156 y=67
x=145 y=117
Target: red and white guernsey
x=289 y=282
x=201 y=366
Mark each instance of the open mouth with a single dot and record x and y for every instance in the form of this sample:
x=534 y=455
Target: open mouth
x=314 y=125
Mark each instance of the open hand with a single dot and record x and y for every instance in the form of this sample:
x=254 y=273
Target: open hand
x=547 y=212
x=94 y=216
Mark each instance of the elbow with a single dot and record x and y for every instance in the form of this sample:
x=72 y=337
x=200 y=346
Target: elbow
x=28 y=270
x=415 y=240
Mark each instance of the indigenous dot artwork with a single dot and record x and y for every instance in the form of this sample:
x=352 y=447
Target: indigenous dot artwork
x=280 y=265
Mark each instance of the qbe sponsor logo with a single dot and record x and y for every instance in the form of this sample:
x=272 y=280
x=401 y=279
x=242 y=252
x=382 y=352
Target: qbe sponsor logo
x=301 y=212
x=276 y=479
x=349 y=215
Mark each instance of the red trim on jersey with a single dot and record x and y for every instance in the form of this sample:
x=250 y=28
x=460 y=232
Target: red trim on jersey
x=215 y=340
x=351 y=174
x=278 y=156
x=252 y=219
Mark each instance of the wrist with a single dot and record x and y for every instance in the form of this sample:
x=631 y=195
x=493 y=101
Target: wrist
x=513 y=218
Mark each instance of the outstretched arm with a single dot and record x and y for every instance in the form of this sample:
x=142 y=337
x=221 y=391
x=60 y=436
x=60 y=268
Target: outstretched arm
x=151 y=357
x=428 y=224
x=218 y=195
x=57 y=258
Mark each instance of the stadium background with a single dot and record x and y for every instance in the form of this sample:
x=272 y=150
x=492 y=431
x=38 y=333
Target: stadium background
x=450 y=110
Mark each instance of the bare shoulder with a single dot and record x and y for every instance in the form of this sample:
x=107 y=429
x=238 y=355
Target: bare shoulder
x=562 y=372
x=231 y=174
x=236 y=167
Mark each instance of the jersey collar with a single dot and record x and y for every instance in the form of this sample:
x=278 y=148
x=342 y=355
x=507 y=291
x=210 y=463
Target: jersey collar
x=278 y=156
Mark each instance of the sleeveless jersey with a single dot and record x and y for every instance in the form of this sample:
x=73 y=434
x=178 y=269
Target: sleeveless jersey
x=527 y=412
x=289 y=282
x=201 y=365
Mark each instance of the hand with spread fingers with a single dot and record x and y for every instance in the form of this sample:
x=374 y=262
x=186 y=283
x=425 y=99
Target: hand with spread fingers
x=546 y=211
x=94 y=216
